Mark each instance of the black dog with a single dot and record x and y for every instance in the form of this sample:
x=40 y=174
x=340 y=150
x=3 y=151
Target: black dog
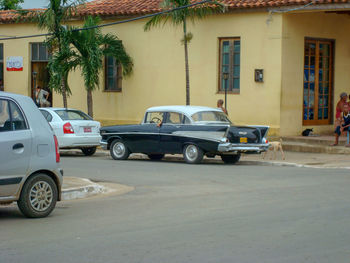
x=307 y=132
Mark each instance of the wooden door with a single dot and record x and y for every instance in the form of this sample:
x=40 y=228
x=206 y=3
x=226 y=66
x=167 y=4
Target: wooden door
x=318 y=82
x=40 y=78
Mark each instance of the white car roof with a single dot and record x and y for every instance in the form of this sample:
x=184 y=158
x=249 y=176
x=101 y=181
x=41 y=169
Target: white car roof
x=188 y=110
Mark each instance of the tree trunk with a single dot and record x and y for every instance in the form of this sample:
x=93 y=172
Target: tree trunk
x=186 y=65
x=89 y=103
x=64 y=93
x=63 y=84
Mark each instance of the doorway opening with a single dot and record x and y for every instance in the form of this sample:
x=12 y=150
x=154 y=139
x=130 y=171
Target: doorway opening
x=40 y=75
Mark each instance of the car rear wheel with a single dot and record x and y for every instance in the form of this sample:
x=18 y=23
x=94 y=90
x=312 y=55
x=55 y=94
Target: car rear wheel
x=38 y=197
x=119 y=151
x=192 y=154
x=155 y=156
x=88 y=151
x=231 y=159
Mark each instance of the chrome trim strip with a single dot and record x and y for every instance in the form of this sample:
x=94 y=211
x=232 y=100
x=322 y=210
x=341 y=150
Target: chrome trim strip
x=103 y=145
x=231 y=147
x=165 y=134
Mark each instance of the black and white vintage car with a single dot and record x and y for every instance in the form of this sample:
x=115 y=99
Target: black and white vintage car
x=192 y=130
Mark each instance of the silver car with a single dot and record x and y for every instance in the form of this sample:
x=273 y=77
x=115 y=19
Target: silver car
x=30 y=171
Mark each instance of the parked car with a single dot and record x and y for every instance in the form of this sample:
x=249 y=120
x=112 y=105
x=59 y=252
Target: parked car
x=74 y=129
x=192 y=130
x=30 y=171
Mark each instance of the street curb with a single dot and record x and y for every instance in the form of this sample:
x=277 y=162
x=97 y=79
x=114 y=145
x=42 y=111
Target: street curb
x=90 y=189
x=78 y=188
x=281 y=164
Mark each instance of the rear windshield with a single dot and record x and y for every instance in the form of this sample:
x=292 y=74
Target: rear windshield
x=210 y=116
x=67 y=115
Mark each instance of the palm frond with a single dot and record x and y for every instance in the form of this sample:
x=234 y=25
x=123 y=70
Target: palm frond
x=177 y=17
x=115 y=48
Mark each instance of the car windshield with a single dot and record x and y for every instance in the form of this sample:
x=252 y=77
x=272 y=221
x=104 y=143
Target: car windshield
x=210 y=116
x=67 y=115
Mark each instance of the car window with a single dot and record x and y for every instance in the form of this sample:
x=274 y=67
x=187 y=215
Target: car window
x=154 y=117
x=174 y=118
x=177 y=118
x=18 y=121
x=47 y=115
x=67 y=115
x=210 y=116
x=5 y=122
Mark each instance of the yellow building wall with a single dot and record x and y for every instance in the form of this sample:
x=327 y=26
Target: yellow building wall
x=295 y=28
x=159 y=75
x=18 y=81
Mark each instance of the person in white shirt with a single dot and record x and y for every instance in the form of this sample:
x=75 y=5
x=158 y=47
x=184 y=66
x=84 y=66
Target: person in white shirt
x=42 y=97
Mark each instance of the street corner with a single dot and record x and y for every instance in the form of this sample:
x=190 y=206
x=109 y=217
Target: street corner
x=80 y=188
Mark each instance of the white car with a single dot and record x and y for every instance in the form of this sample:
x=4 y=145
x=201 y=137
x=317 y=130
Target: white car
x=74 y=129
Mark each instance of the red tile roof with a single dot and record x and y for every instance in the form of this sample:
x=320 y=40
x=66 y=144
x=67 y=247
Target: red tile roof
x=141 y=7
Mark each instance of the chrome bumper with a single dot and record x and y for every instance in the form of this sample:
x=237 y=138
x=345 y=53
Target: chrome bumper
x=239 y=147
x=103 y=145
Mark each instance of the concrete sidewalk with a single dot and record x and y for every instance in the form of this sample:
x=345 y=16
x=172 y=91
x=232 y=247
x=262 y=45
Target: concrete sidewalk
x=302 y=159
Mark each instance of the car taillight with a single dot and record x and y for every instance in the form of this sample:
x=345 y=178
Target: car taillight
x=67 y=128
x=57 y=149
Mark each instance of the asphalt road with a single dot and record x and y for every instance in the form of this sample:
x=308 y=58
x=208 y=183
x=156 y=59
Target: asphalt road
x=189 y=213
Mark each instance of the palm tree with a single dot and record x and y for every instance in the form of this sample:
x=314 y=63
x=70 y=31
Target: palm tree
x=57 y=13
x=180 y=17
x=87 y=51
x=10 y=4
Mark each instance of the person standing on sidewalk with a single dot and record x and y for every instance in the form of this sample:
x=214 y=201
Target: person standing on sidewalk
x=220 y=105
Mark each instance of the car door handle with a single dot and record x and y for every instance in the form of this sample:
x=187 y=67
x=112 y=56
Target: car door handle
x=17 y=146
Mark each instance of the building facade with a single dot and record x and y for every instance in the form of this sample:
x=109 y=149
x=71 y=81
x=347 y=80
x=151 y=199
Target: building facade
x=281 y=67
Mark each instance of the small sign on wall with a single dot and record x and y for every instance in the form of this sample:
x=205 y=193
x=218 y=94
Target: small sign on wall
x=14 y=63
x=259 y=75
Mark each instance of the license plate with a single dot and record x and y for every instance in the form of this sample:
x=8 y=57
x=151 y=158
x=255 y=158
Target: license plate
x=243 y=140
x=87 y=129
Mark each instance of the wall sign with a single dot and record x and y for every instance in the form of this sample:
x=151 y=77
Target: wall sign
x=14 y=63
x=259 y=75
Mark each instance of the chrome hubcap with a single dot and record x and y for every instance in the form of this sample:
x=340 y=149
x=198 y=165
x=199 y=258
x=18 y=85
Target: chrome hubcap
x=119 y=149
x=41 y=196
x=191 y=152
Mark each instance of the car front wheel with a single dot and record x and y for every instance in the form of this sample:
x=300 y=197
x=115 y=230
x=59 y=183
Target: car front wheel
x=119 y=151
x=231 y=159
x=38 y=197
x=192 y=154
x=88 y=151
